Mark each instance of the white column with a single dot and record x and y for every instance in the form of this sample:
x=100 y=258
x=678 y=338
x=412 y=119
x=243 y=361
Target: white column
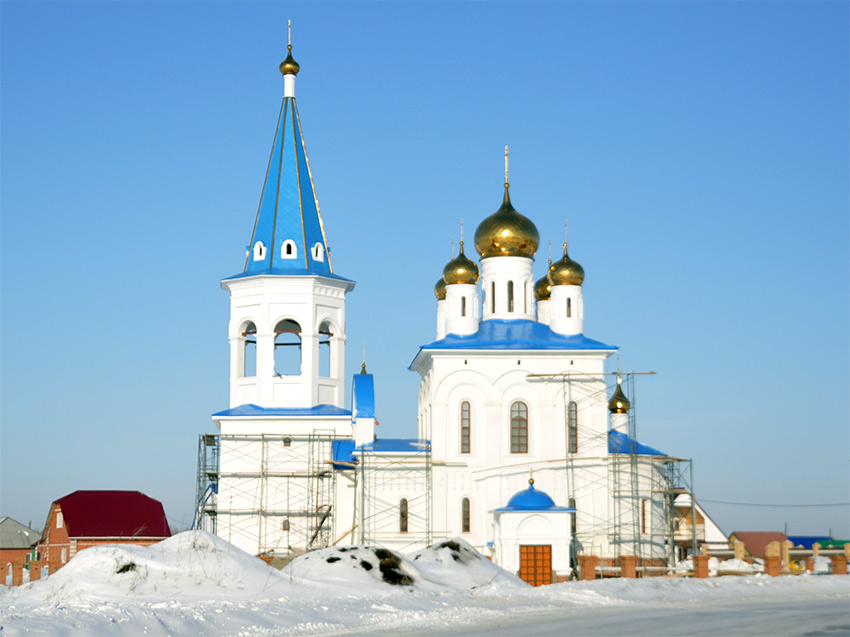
x=461 y=309
x=566 y=311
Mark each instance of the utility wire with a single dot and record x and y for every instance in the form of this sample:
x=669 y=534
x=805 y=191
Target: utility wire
x=761 y=504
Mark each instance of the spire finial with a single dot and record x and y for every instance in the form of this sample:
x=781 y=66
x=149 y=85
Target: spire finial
x=289 y=67
x=550 y=252
x=461 y=235
x=531 y=477
x=565 y=234
x=363 y=365
x=506 y=166
x=289 y=34
x=453 y=247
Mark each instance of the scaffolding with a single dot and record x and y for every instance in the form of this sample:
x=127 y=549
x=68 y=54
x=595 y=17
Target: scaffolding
x=387 y=478
x=276 y=495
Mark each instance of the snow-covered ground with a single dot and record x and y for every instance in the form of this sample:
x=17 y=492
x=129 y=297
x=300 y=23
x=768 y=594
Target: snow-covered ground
x=195 y=583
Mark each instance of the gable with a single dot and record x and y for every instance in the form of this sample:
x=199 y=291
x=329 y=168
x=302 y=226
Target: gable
x=113 y=514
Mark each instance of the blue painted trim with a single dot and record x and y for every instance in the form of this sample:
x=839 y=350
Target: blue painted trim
x=252 y=411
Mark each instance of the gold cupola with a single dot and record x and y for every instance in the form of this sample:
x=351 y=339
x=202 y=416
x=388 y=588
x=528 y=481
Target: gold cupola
x=506 y=233
x=566 y=271
x=440 y=289
x=619 y=404
x=460 y=270
x=289 y=66
x=542 y=288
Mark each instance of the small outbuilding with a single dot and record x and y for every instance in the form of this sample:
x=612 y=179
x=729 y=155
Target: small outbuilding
x=534 y=536
x=16 y=550
x=84 y=519
x=755 y=542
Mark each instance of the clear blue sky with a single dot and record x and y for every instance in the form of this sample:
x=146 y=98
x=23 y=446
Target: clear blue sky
x=699 y=152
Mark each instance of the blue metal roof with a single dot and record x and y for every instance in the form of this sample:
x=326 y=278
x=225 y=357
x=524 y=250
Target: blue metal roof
x=288 y=214
x=520 y=334
x=621 y=443
x=531 y=499
x=250 y=411
x=396 y=445
x=807 y=541
x=342 y=451
x=363 y=396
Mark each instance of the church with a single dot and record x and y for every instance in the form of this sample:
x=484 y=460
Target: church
x=525 y=447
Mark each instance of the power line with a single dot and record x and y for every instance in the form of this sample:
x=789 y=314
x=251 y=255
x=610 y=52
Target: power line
x=761 y=504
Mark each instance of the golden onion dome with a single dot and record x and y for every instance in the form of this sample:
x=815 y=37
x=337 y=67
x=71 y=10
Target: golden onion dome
x=506 y=233
x=440 y=289
x=460 y=270
x=289 y=66
x=542 y=288
x=566 y=271
x=619 y=404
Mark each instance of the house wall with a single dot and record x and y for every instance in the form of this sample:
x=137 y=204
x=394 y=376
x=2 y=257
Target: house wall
x=17 y=559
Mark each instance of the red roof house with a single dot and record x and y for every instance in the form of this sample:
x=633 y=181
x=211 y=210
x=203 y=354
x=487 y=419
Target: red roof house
x=755 y=542
x=91 y=518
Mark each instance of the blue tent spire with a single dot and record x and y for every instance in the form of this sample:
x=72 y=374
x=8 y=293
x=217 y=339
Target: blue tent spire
x=288 y=235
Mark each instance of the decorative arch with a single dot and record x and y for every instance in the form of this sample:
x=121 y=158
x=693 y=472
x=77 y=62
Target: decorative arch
x=246 y=364
x=287 y=348
x=328 y=347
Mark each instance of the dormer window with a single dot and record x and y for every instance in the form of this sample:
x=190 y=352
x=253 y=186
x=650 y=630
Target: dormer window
x=318 y=252
x=288 y=250
x=259 y=251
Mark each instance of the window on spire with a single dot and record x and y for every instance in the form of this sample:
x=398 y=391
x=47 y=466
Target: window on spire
x=519 y=427
x=463 y=306
x=572 y=419
x=493 y=297
x=318 y=252
x=247 y=362
x=288 y=250
x=510 y=296
x=569 y=308
x=259 y=251
x=287 y=348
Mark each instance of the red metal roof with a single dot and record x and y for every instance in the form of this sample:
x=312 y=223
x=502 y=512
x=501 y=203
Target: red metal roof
x=113 y=514
x=756 y=541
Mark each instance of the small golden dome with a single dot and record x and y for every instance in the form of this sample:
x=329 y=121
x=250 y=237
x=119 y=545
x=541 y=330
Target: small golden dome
x=506 y=233
x=460 y=270
x=289 y=66
x=619 y=404
x=440 y=289
x=566 y=271
x=542 y=288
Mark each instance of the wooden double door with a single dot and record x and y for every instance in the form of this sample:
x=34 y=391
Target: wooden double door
x=535 y=564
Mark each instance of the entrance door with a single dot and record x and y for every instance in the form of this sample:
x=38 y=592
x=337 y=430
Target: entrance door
x=535 y=564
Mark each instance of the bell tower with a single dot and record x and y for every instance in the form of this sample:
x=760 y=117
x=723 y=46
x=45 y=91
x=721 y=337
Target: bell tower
x=287 y=307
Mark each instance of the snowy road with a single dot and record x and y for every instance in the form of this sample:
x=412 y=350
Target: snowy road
x=777 y=619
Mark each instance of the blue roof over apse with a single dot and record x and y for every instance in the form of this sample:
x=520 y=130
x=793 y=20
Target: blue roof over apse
x=397 y=445
x=621 y=443
x=363 y=396
x=531 y=499
x=288 y=210
x=520 y=334
x=342 y=451
x=252 y=411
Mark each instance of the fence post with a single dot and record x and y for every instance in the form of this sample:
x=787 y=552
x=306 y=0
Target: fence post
x=700 y=565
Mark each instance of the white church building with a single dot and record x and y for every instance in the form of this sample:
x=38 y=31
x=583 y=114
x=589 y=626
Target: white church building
x=525 y=445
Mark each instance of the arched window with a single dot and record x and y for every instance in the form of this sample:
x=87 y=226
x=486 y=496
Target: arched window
x=569 y=308
x=519 y=428
x=463 y=306
x=493 y=297
x=259 y=251
x=288 y=250
x=287 y=348
x=464 y=515
x=402 y=516
x=465 y=426
x=510 y=296
x=573 y=524
x=572 y=418
x=325 y=335
x=247 y=361
x=285 y=525
x=318 y=252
